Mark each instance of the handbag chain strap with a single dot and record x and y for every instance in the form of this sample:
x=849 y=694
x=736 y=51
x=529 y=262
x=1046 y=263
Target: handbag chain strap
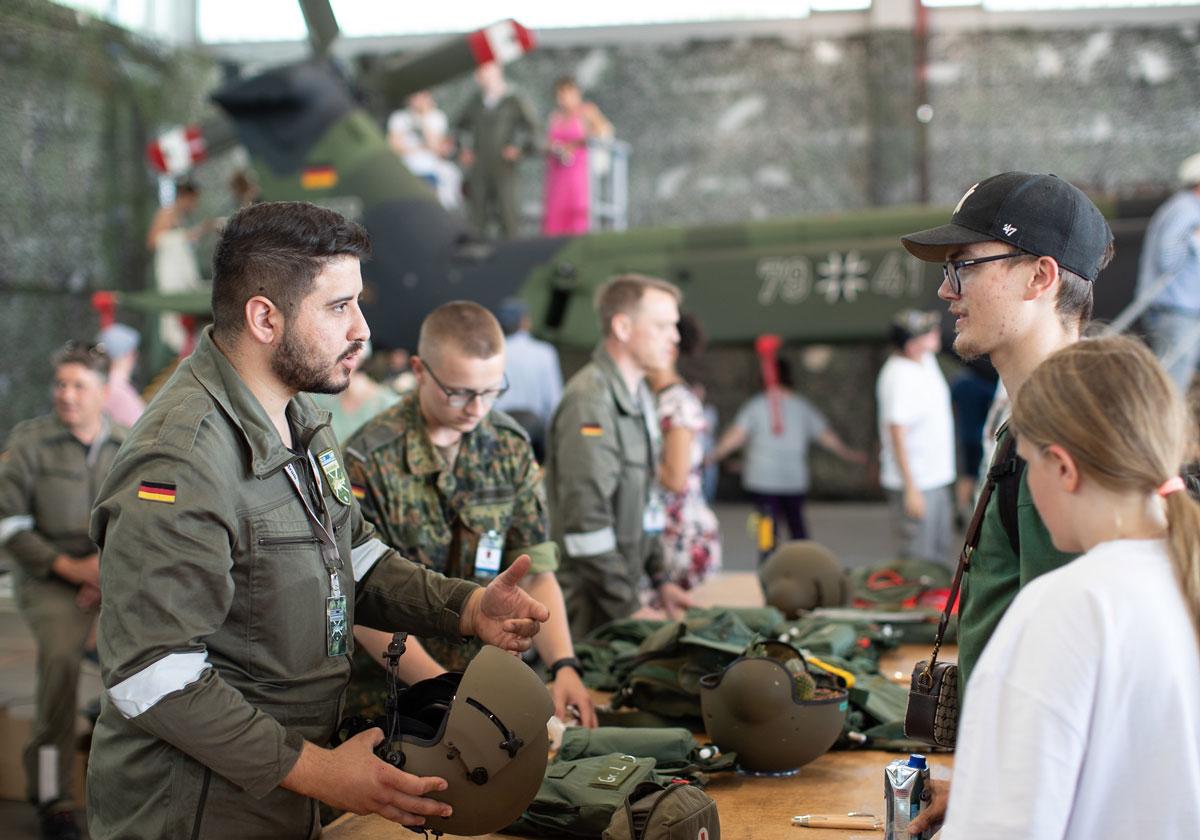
x=925 y=679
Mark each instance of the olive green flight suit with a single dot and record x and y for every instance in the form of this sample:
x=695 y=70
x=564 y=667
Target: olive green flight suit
x=491 y=180
x=48 y=482
x=213 y=632
x=600 y=473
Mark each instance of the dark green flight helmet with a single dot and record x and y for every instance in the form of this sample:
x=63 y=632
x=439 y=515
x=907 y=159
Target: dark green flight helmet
x=803 y=575
x=765 y=707
x=484 y=732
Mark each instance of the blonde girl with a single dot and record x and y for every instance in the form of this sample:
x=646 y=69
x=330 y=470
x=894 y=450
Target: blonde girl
x=1083 y=715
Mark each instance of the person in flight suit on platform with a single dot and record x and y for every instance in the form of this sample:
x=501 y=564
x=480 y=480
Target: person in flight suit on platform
x=234 y=561
x=605 y=509
x=453 y=484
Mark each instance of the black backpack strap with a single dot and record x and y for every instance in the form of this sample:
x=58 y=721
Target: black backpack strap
x=1007 y=477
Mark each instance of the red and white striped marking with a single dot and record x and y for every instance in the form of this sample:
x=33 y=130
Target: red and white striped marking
x=501 y=42
x=178 y=150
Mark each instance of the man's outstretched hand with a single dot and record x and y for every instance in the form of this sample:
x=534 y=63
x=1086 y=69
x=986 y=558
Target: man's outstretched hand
x=503 y=614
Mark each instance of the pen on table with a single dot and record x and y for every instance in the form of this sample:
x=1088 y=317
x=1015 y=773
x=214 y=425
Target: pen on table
x=852 y=821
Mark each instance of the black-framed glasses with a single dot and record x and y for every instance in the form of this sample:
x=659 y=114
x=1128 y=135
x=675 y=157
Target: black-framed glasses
x=462 y=397
x=951 y=268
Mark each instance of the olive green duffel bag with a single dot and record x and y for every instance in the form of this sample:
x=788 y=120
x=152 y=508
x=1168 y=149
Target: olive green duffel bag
x=678 y=812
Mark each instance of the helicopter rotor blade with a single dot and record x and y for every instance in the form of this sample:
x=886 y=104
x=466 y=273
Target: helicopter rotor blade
x=502 y=42
x=322 y=25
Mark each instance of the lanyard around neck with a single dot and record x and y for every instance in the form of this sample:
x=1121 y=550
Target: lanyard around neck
x=321 y=524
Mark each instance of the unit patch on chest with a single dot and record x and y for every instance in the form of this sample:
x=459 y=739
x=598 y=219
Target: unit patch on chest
x=338 y=482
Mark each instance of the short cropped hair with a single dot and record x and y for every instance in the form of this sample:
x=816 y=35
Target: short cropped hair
x=621 y=295
x=276 y=250
x=1076 y=294
x=91 y=356
x=464 y=325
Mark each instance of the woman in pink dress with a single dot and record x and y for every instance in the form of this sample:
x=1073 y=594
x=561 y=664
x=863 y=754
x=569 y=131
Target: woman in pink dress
x=572 y=123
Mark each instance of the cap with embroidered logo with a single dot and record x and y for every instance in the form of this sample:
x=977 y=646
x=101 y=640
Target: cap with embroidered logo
x=1040 y=214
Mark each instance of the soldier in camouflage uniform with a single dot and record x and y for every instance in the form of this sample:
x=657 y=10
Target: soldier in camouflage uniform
x=454 y=485
x=602 y=471
x=51 y=469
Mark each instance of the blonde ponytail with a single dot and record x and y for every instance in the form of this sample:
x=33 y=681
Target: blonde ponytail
x=1183 y=523
x=1109 y=402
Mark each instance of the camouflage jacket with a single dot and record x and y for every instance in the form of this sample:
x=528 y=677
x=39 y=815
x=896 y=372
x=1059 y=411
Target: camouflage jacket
x=437 y=516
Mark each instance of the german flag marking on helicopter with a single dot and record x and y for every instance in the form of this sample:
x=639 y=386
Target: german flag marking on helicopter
x=319 y=178
x=157 y=491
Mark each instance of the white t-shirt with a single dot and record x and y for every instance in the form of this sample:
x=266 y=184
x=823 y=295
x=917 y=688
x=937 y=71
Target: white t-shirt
x=778 y=464
x=414 y=127
x=915 y=395
x=1082 y=718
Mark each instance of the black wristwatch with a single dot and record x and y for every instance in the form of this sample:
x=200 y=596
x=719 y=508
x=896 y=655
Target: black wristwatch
x=565 y=662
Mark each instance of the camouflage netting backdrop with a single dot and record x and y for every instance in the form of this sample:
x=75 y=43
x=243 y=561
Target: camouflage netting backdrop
x=720 y=131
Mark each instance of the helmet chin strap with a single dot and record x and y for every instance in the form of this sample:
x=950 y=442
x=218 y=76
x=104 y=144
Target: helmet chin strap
x=511 y=742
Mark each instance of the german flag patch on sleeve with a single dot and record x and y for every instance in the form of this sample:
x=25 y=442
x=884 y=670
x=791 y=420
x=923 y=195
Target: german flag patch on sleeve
x=157 y=491
x=591 y=430
x=358 y=491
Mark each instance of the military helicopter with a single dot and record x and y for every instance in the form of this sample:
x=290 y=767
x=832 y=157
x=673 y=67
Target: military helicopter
x=834 y=278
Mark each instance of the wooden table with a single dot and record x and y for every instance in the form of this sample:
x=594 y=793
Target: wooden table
x=758 y=808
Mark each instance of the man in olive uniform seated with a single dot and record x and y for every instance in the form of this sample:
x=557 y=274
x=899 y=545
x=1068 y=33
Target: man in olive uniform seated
x=50 y=470
x=453 y=484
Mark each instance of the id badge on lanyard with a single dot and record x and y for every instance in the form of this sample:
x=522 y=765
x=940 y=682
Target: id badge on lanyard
x=488 y=554
x=336 y=620
x=654 y=517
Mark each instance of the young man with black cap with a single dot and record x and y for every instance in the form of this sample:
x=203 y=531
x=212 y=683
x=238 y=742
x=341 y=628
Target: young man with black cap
x=916 y=434
x=1021 y=253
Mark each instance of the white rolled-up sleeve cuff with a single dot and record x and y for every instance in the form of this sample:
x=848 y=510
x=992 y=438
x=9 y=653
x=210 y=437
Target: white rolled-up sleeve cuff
x=590 y=543
x=174 y=672
x=364 y=557
x=13 y=525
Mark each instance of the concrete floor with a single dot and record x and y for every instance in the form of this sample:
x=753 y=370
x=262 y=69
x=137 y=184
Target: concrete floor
x=857 y=532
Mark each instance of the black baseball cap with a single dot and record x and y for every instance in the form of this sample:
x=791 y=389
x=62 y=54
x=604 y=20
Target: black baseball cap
x=1040 y=214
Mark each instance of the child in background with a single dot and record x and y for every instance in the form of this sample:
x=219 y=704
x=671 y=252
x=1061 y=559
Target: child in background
x=1081 y=718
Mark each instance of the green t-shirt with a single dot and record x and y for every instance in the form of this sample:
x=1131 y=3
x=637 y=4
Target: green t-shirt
x=997 y=573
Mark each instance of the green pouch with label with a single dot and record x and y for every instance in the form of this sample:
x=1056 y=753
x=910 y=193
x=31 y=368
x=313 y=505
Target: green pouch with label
x=673 y=749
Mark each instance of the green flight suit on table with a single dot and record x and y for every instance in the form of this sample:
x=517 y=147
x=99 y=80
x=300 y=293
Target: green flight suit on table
x=48 y=482
x=491 y=180
x=601 y=473
x=214 y=636
x=437 y=515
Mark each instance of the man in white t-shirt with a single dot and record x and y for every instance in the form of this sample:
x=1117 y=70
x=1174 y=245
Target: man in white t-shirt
x=916 y=433
x=419 y=134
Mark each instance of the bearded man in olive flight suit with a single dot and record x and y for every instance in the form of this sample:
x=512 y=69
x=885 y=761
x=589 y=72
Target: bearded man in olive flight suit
x=234 y=560
x=51 y=469
x=602 y=471
x=453 y=484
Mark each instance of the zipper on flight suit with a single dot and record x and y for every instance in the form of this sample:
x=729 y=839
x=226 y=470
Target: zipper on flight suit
x=287 y=540
x=201 y=803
